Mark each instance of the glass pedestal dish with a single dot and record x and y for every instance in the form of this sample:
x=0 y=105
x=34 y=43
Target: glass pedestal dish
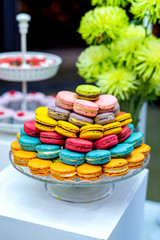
x=77 y=190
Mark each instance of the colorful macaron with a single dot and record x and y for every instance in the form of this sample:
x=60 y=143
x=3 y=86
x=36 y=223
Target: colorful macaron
x=30 y=129
x=71 y=158
x=116 y=167
x=98 y=157
x=124 y=118
x=65 y=99
x=112 y=128
x=135 y=160
x=58 y=113
x=62 y=172
x=88 y=92
x=136 y=139
x=124 y=134
x=88 y=172
x=67 y=129
x=46 y=151
x=39 y=167
x=143 y=148
x=91 y=132
x=78 y=145
x=121 y=150
x=116 y=110
x=15 y=146
x=18 y=135
x=45 y=123
x=106 y=103
x=79 y=120
x=29 y=143
x=22 y=157
x=85 y=107
x=52 y=138
x=131 y=126
x=106 y=142
x=104 y=118
x=22 y=132
x=41 y=111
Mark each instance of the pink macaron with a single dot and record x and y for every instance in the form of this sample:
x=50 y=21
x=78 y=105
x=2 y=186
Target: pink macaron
x=106 y=103
x=106 y=142
x=30 y=129
x=85 y=107
x=124 y=134
x=52 y=138
x=66 y=99
x=78 y=145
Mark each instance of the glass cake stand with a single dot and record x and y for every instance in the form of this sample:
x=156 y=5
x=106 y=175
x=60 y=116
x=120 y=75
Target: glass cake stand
x=78 y=190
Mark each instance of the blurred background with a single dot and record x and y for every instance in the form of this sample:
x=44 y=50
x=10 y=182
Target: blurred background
x=53 y=29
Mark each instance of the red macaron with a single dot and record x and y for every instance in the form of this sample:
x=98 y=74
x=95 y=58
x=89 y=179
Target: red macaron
x=124 y=134
x=30 y=129
x=78 y=145
x=106 y=142
x=52 y=138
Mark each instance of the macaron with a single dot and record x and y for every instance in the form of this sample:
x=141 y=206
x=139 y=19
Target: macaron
x=46 y=151
x=29 y=143
x=106 y=142
x=89 y=172
x=39 y=167
x=63 y=172
x=116 y=167
x=124 y=134
x=135 y=160
x=18 y=135
x=85 y=107
x=52 y=138
x=104 y=118
x=116 y=110
x=79 y=120
x=98 y=157
x=58 y=113
x=67 y=129
x=143 y=148
x=71 y=158
x=106 y=103
x=124 y=118
x=41 y=111
x=91 y=132
x=88 y=92
x=121 y=150
x=15 y=146
x=131 y=126
x=136 y=139
x=30 y=129
x=112 y=128
x=22 y=132
x=22 y=157
x=45 y=123
x=78 y=145
x=65 y=99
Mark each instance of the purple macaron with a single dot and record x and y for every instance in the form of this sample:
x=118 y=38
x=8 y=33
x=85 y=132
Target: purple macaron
x=104 y=118
x=58 y=113
x=116 y=110
x=79 y=120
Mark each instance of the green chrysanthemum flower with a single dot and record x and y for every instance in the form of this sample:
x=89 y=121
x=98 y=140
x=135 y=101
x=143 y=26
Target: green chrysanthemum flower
x=92 y=61
x=103 y=23
x=123 y=3
x=147 y=60
x=119 y=82
x=123 y=49
x=150 y=7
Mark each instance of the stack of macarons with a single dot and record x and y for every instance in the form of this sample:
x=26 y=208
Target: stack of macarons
x=83 y=135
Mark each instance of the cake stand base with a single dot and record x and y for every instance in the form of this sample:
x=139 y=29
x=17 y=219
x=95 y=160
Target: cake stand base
x=79 y=194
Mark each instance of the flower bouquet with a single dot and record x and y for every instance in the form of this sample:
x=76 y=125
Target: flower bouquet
x=123 y=58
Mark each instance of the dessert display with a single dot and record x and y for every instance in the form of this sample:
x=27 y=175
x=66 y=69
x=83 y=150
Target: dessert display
x=81 y=139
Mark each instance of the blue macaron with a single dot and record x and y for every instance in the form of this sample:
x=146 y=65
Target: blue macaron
x=71 y=158
x=47 y=151
x=29 y=143
x=98 y=157
x=135 y=139
x=121 y=150
x=22 y=132
x=131 y=126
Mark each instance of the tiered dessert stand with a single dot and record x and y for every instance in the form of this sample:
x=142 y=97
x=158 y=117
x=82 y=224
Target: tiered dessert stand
x=25 y=73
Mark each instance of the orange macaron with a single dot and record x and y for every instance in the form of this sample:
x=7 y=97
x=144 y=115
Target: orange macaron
x=62 y=171
x=135 y=160
x=39 y=167
x=89 y=172
x=15 y=146
x=116 y=167
x=143 y=148
x=22 y=157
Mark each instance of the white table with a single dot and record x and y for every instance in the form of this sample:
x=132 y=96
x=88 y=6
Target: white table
x=28 y=212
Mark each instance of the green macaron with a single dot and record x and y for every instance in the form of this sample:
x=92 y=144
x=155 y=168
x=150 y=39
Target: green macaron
x=88 y=92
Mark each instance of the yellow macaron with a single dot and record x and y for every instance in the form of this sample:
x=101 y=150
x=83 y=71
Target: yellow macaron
x=143 y=148
x=67 y=129
x=39 y=167
x=112 y=128
x=116 y=167
x=18 y=135
x=91 y=132
x=45 y=123
x=15 y=146
x=41 y=111
x=22 y=157
x=62 y=171
x=89 y=172
x=135 y=160
x=124 y=119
